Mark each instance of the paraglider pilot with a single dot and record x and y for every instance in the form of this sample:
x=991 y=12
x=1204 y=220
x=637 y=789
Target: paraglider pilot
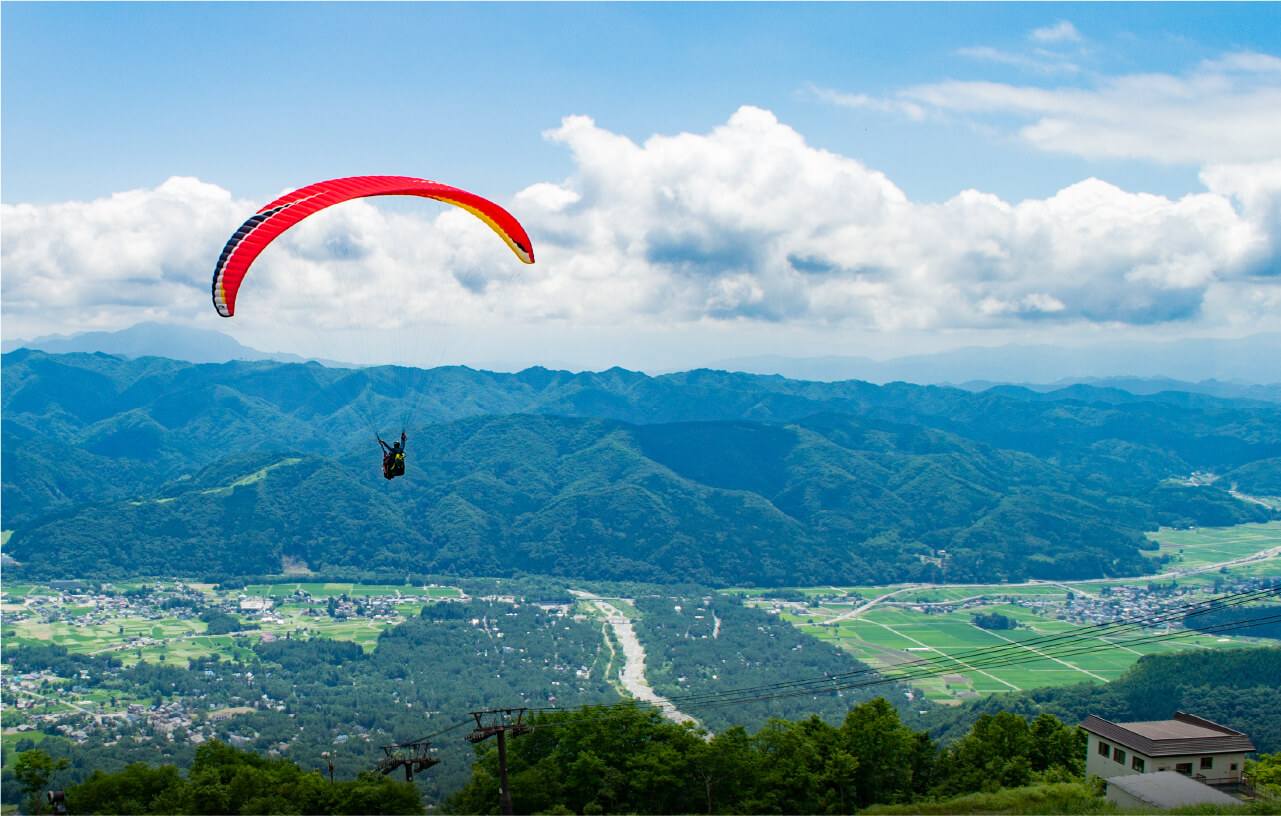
x=393 y=457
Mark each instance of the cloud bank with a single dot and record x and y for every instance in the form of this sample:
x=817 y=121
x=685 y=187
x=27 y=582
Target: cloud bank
x=745 y=225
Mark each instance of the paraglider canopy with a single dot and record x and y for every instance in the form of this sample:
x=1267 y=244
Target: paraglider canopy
x=262 y=228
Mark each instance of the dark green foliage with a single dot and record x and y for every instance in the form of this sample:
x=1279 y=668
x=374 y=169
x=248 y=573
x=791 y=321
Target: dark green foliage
x=243 y=529
x=1252 y=620
x=1262 y=478
x=1203 y=506
x=220 y=623
x=57 y=659
x=300 y=655
x=853 y=503
x=994 y=620
x=750 y=649
x=631 y=760
x=1004 y=751
x=225 y=780
x=625 y=759
x=34 y=770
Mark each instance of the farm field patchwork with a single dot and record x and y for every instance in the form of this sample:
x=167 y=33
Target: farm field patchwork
x=950 y=659
x=927 y=634
x=1200 y=547
x=179 y=635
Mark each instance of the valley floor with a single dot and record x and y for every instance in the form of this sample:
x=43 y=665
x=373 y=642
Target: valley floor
x=899 y=627
x=894 y=629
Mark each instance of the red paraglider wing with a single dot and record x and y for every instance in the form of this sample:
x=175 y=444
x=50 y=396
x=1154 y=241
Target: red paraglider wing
x=260 y=230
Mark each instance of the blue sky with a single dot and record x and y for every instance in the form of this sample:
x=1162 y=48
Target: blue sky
x=1166 y=107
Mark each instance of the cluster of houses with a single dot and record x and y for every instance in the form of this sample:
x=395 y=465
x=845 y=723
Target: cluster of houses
x=79 y=606
x=1130 y=601
x=1113 y=603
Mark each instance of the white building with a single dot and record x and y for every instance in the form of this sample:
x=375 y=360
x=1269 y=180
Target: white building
x=1195 y=747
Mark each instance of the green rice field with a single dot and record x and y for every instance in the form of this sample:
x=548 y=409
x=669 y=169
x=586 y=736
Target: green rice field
x=902 y=635
x=943 y=649
x=1201 y=547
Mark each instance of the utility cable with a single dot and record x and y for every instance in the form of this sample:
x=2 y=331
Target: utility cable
x=632 y=705
x=1014 y=653
x=984 y=653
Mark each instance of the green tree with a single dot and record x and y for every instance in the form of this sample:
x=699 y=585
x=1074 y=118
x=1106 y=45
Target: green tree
x=994 y=754
x=803 y=769
x=884 y=751
x=34 y=771
x=133 y=790
x=1055 y=746
x=728 y=768
x=1266 y=771
x=226 y=780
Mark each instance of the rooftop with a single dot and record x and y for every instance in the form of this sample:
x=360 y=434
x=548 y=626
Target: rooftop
x=1168 y=789
x=1185 y=734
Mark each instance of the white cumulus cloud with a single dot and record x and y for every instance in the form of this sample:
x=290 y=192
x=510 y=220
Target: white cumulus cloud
x=744 y=225
x=748 y=222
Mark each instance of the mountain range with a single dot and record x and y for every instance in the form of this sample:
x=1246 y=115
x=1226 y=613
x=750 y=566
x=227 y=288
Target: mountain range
x=1249 y=360
x=116 y=466
x=1241 y=367
x=150 y=339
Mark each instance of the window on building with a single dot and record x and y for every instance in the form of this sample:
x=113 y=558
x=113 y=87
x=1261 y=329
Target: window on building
x=1184 y=768
x=1207 y=762
x=1137 y=763
x=1104 y=748
x=1233 y=767
x=1118 y=755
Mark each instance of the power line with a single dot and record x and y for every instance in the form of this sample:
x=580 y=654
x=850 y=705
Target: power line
x=1006 y=654
x=985 y=653
x=1014 y=653
x=632 y=705
x=1043 y=641
x=994 y=657
x=925 y=673
x=446 y=730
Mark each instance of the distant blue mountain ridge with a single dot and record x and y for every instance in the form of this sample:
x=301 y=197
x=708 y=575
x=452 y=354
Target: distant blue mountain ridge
x=184 y=343
x=1172 y=365
x=1247 y=367
x=155 y=340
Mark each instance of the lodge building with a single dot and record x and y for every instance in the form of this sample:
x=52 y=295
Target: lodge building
x=1190 y=745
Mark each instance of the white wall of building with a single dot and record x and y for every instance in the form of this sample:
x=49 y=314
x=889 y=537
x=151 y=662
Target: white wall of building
x=1222 y=765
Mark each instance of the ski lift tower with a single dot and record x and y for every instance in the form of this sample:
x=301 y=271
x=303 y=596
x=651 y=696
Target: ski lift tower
x=412 y=756
x=499 y=723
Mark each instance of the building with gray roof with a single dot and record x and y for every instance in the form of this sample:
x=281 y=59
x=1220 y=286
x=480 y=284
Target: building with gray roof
x=1187 y=744
x=1163 y=789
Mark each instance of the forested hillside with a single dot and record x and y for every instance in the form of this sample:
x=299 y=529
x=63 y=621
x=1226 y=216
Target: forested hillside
x=150 y=466
x=830 y=499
